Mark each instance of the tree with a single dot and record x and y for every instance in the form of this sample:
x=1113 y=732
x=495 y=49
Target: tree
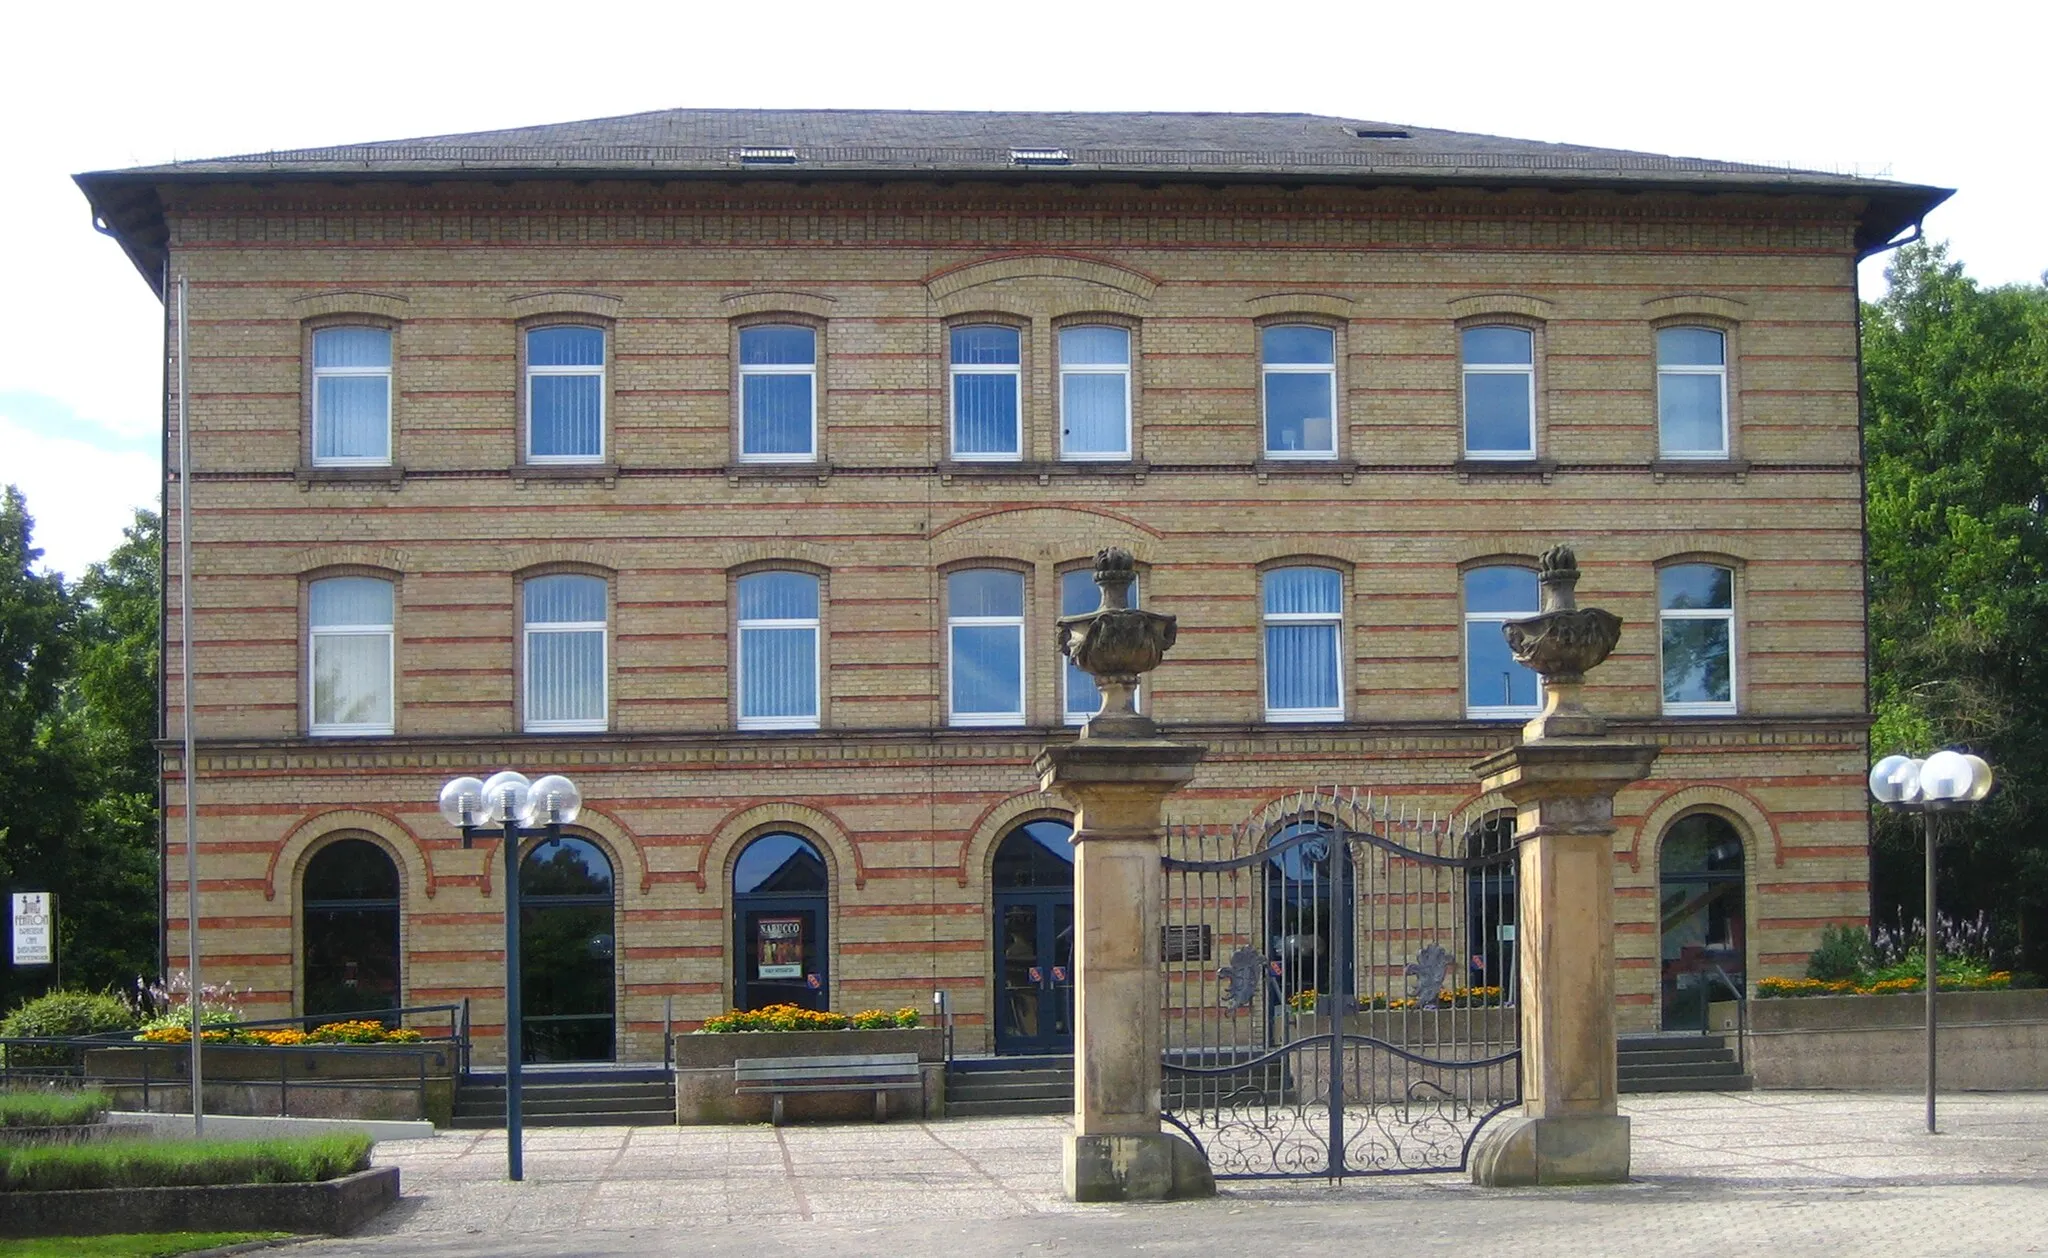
x=1956 y=401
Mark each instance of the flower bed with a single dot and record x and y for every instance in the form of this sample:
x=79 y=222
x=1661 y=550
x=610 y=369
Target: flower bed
x=1788 y=988
x=795 y=1018
x=1309 y=1000
x=358 y=1032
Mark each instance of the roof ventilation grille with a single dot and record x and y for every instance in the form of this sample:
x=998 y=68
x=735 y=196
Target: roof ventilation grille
x=1040 y=157
x=1380 y=133
x=773 y=155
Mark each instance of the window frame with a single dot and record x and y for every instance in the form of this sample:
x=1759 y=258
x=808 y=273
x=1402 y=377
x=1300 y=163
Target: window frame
x=1731 y=705
x=970 y=720
x=527 y=630
x=1723 y=371
x=527 y=372
x=389 y=632
x=742 y=370
x=1267 y=619
x=816 y=624
x=954 y=370
x=1063 y=369
x=315 y=374
x=1467 y=370
x=1492 y=712
x=1266 y=369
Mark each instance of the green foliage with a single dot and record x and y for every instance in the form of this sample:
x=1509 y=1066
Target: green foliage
x=55 y=1108
x=78 y=697
x=181 y=1163
x=1844 y=953
x=60 y=1015
x=131 y=1244
x=1956 y=401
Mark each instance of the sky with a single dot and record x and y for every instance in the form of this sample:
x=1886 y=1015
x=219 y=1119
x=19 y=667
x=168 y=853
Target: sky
x=1944 y=95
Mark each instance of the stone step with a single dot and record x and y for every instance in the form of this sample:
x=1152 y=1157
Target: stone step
x=1690 y=1070
x=992 y=1109
x=1678 y=1056
x=1668 y=1043
x=1012 y=1092
x=587 y=1105
x=1690 y=1083
x=572 y=1092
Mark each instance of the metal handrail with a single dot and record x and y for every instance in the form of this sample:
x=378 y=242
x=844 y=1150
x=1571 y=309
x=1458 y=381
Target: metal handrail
x=1741 y=1013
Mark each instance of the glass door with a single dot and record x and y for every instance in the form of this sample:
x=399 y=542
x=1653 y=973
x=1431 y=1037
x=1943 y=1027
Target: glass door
x=1034 y=972
x=781 y=950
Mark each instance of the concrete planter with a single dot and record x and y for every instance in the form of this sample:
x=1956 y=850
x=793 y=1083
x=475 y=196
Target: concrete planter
x=335 y=1207
x=1990 y=1041
x=704 y=1083
x=385 y=1081
x=72 y=1133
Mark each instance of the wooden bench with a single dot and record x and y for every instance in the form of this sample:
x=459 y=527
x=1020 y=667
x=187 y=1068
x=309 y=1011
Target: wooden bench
x=872 y=1072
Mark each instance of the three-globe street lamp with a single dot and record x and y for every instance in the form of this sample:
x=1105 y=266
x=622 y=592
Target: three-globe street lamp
x=514 y=809
x=1943 y=782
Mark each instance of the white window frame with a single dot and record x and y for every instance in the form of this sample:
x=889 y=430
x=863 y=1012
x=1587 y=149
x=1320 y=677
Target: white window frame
x=1468 y=370
x=1496 y=711
x=604 y=671
x=390 y=635
x=1719 y=370
x=601 y=371
x=1725 y=614
x=813 y=623
x=332 y=373
x=1067 y=712
x=1326 y=370
x=1015 y=371
x=1095 y=369
x=780 y=369
x=953 y=623
x=1269 y=619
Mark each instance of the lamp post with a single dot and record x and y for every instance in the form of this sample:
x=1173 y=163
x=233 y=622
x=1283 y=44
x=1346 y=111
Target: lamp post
x=515 y=809
x=1943 y=782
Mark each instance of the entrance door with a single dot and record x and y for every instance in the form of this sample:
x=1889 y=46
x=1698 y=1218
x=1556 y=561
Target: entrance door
x=1034 y=939
x=779 y=918
x=1700 y=885
x=566 y=953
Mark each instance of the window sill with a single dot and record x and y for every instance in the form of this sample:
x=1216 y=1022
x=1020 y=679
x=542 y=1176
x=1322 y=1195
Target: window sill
x=389 y=476
x=1538 y=469
x=1345 y=469
x=608 y=473
x=1042 y=472
x=736 y=473
x=1736 y=470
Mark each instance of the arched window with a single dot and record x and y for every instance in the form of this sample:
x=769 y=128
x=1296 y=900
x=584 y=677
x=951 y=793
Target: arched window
x=567 y=951
x=565 y=653
x=351 y=397
x=987 y=376
x=778 y=394
x=778 y=655
x=1095 y=393
x=781 y=890
x=1033 y=877
x=1035 y=855
x=1490 y=904
x=1692 y=393
x=1304 y=619
x=1500 y=391
x=1298 y=391
x=1696 y=622
x=1309 y=865
x=349 y=658
x=985 y=646
x=1704 y=930
x=1495 y=685
x=349 y=905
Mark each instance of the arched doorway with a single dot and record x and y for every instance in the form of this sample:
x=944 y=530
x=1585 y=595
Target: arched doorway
x=567 y=952
x=780 y=912
x=1490 y=906
x=1033 y=880
x=349 y=903
x=1701 y=910
x=1301 y=882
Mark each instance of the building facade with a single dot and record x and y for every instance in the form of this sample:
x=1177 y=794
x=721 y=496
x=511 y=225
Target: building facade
x=738 y=464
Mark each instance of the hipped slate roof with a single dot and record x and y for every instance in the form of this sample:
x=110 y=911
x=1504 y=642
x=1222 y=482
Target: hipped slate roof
x=1212 y=147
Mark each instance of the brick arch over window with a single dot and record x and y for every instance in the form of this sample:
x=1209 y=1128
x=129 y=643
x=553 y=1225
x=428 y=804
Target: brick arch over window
x=345 y=302
x=1077 y=526
x=1281 y=305
x=557 y=303
x=1483 y=306
x=315 y=561
x=768 y=301
x=1102 y=272
x=978 y=849
x=598 y=561
x=734 y=831
x=779 y=552
x=1752 y=821
x=1695 y=306
x=415 y=861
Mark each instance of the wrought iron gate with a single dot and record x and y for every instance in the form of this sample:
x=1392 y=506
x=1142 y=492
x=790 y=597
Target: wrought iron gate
x=1340 y=987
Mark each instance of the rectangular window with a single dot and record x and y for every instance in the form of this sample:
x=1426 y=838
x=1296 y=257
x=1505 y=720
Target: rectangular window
x=1696 y=624
x=1692 y=393
x=349 y=663
x=1298 y=387
x=1095 y=393
x=987 y=374
x=351 y=397
x=1304 y=644
x=1080 y=697
x=778 y=626
x=778 y=394
x=565 y=654
x=985 y=647
x=1500 y=392
x=564 y=395
x=1496 y=686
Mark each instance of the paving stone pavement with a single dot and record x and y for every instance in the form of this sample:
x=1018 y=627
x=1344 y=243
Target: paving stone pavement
x=1763 y=1172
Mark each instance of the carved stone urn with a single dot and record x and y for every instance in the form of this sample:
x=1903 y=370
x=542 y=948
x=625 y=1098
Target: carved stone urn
x=1560 y=643
x=1117 y=645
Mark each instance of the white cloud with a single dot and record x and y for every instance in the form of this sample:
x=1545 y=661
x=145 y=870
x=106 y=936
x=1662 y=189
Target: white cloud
x=80 y=495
